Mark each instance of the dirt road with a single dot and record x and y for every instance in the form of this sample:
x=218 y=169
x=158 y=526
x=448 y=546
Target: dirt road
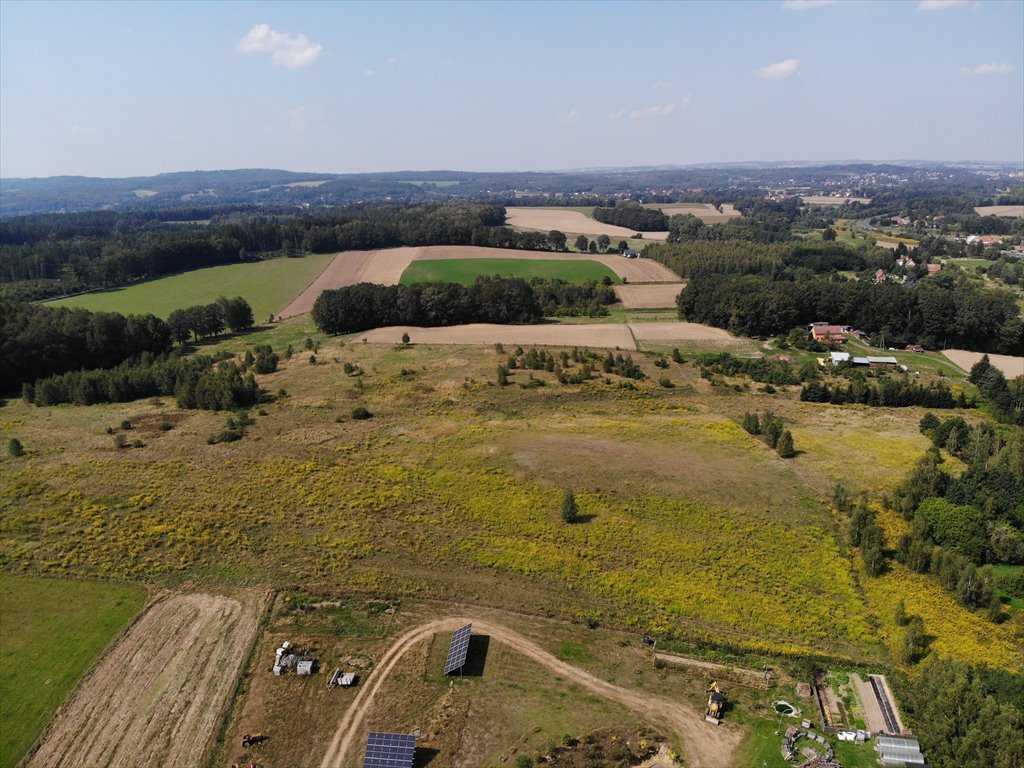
x=703 y=745
x=159 y=695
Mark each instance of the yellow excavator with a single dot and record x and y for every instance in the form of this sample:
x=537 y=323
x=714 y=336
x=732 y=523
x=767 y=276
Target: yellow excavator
x=716 y=704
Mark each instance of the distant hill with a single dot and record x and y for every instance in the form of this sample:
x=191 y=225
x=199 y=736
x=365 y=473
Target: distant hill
x=276 y=190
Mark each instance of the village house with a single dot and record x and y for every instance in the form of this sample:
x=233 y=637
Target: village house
x=829 y=333
x=881 y=275
x=934 y=269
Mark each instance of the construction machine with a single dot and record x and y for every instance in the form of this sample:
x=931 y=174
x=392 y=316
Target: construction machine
x=252 y=740
x=716 y=704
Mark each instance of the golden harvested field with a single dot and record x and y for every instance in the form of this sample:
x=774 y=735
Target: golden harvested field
x=1015 y=211
x=595 y=335
x=703 y=211
x=386 y=266
x=1011 y=366
x=546 y=219
x=158 y=697
x=648 y=296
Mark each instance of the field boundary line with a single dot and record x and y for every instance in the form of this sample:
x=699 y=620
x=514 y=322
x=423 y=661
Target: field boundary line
x=73 y=696
x=277 y=315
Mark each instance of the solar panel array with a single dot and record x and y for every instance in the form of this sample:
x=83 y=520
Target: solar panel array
x=389 y=750
x=458 y=650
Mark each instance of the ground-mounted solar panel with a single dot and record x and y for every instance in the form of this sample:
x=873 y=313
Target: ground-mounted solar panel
x=458 y=649
x=389 y=750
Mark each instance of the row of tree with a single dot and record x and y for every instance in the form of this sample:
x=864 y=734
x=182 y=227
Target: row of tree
x=38 y=341
x=887 y=393
x=203 y=320
x=196 y=382
x=942 y=310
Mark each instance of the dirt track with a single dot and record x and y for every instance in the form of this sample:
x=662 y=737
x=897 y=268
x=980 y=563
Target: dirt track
x=546 y=219
x=703 y=745
x=385 y=267
x=1012 y=367
x=159 y=695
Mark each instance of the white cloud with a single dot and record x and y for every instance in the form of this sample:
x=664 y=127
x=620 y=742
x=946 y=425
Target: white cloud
x=778 y=71
x=571 y=116
x=938 y=5
x=370 y=72
x=661 y=110
x=803 y=5
x=663 y=85
x=392 y=60
x=686 y=102
x=292 y=51
x=297 y=119
x=987 y=69
x=617 y=114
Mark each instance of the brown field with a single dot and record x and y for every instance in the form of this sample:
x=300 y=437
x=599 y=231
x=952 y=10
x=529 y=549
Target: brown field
x=546 y=219
x=591 y=335
x=307 y=183
x=1016 y=211
x=386 y=266
x=1012 y=367
x=595 y=335
x=703 y=211
x=159 y=696
x=703 y=746
x=892 y=245
x=653 y=296
x=829 y=200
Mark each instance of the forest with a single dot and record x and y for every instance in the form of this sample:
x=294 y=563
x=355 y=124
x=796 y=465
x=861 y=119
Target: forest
x=944 y=310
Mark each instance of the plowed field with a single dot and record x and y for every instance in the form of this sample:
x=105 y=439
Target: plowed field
x=159 y=695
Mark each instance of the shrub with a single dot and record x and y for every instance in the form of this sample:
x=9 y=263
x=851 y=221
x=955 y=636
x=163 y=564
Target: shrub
x=405 y=338
x=570 y=511
x=15 y=448
x=120 y=441
x=666 y=382
x=126 y=424
x=361 y=413
x=785 y=445
x=165 y=426
x=138 y=444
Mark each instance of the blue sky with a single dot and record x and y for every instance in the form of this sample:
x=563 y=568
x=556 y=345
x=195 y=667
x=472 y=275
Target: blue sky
x=120 y=89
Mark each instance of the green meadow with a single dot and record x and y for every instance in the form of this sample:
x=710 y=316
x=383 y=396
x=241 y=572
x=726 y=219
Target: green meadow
x=268 y=286
x=465 y=271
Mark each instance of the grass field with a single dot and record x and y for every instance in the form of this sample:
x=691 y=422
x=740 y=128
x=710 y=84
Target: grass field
x=267 y=285
x=465 y=271
x=51 y=632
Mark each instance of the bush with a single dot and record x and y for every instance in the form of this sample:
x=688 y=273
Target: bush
x=120 y=441
x=126 y=424
x=570 y=511
x=361 y=413
x=666 y=382
x=165 y=426
x=138 y=444
x=15 y=448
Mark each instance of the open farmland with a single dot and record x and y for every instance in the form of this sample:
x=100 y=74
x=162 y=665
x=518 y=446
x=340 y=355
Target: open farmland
x=569 y=220
x=465 y=271
x=158 y=697
x=1014 y=211
x=266 y=285
x=387 y=266
x=1010 y=366
x=832 y=200
x=703 y=211
x=51 y=631
x=653 y=296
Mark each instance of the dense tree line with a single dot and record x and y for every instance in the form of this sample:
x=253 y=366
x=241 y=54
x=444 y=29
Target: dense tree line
x=1004 y=398
x=196 y=382
x=38 y=341
x=203 y=320
x=633 y=216
x=365 y=305
x=770 y=428
x=775 y=260
x=943 y=310
x=488 y=300
x=91 y=250
x=887 y=393
x=966 y=715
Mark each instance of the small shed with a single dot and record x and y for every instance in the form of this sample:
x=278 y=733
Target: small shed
x=304 y=667
x=897 y=750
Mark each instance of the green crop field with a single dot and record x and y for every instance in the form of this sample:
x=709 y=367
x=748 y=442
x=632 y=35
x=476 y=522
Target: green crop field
x=465 y=271
x=50 y=633
x=268 y=286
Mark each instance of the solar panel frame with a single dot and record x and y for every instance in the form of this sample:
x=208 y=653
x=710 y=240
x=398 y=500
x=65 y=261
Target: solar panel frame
x=458 y=649
x=389 y=750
